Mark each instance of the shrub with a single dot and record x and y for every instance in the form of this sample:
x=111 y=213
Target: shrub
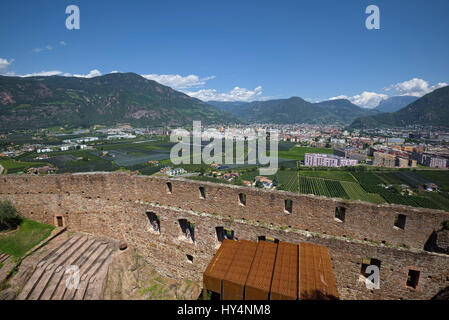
x=8 y=215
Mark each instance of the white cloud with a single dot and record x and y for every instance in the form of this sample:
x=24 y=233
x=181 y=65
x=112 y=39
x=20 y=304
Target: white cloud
x=62 y=43
x=415 y=87
x=91 y=74
x=47 y=47
x=43 y=74
x=177 y=81
x=366 y=99
x=4 y=64
x=114 y=71
x=236 y=94
x=338 y=97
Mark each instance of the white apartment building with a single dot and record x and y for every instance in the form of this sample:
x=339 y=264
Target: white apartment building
x=327 y=160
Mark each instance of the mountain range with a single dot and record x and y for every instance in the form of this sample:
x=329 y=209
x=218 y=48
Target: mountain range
x=393 y=104
x=431 y=109
x=295 y=110
x=39 y=102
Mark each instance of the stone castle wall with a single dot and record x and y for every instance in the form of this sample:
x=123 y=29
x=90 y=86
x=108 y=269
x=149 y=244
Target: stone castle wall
x=115 y=205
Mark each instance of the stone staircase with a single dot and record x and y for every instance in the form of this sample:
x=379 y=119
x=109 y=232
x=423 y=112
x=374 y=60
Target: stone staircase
x=90 y=255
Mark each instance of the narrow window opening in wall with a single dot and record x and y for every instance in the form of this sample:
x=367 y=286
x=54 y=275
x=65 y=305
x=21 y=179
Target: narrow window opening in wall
x=288 y=206
x=269 y=239
x=169 y=188
x=413 y=279
x=224 y=233
x=242 y=199
x=189 y=258
x=202 y=193
x=399 y=221
x=367 y=262
x=188 y=229
x=340 y=213
x=154 y=220
x=59 y=221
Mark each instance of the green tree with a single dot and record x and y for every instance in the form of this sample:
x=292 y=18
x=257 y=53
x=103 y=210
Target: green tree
x=8 y=215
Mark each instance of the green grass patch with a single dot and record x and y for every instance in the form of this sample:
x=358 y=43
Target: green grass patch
x=356 y=192
x=30 y=234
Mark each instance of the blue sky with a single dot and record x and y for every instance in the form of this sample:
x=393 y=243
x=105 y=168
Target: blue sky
x=267 y=49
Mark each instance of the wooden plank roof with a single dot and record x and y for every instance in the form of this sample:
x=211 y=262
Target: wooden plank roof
x=266 y=270
x=258 y=283
x=217 y=268
x=235 y=278
x=285 y=275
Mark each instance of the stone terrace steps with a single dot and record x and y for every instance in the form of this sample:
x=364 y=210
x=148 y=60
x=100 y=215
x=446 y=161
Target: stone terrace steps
x=50 y=290
x=58 y=293
x=3 y=257
x=53 y=268
x=42 y=266
x=91 y=255
x=94 y=287
x=88 y=280
x=70 y=293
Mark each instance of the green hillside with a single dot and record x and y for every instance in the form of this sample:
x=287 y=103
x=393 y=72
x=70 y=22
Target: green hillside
x=296 y=110
x=431 y=109
x=38 y=102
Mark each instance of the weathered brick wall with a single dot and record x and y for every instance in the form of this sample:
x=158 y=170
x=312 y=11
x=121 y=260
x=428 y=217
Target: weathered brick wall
x=115 y=205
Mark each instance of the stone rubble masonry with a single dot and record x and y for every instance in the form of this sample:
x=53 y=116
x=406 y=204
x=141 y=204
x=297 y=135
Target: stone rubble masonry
x=115 y=205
